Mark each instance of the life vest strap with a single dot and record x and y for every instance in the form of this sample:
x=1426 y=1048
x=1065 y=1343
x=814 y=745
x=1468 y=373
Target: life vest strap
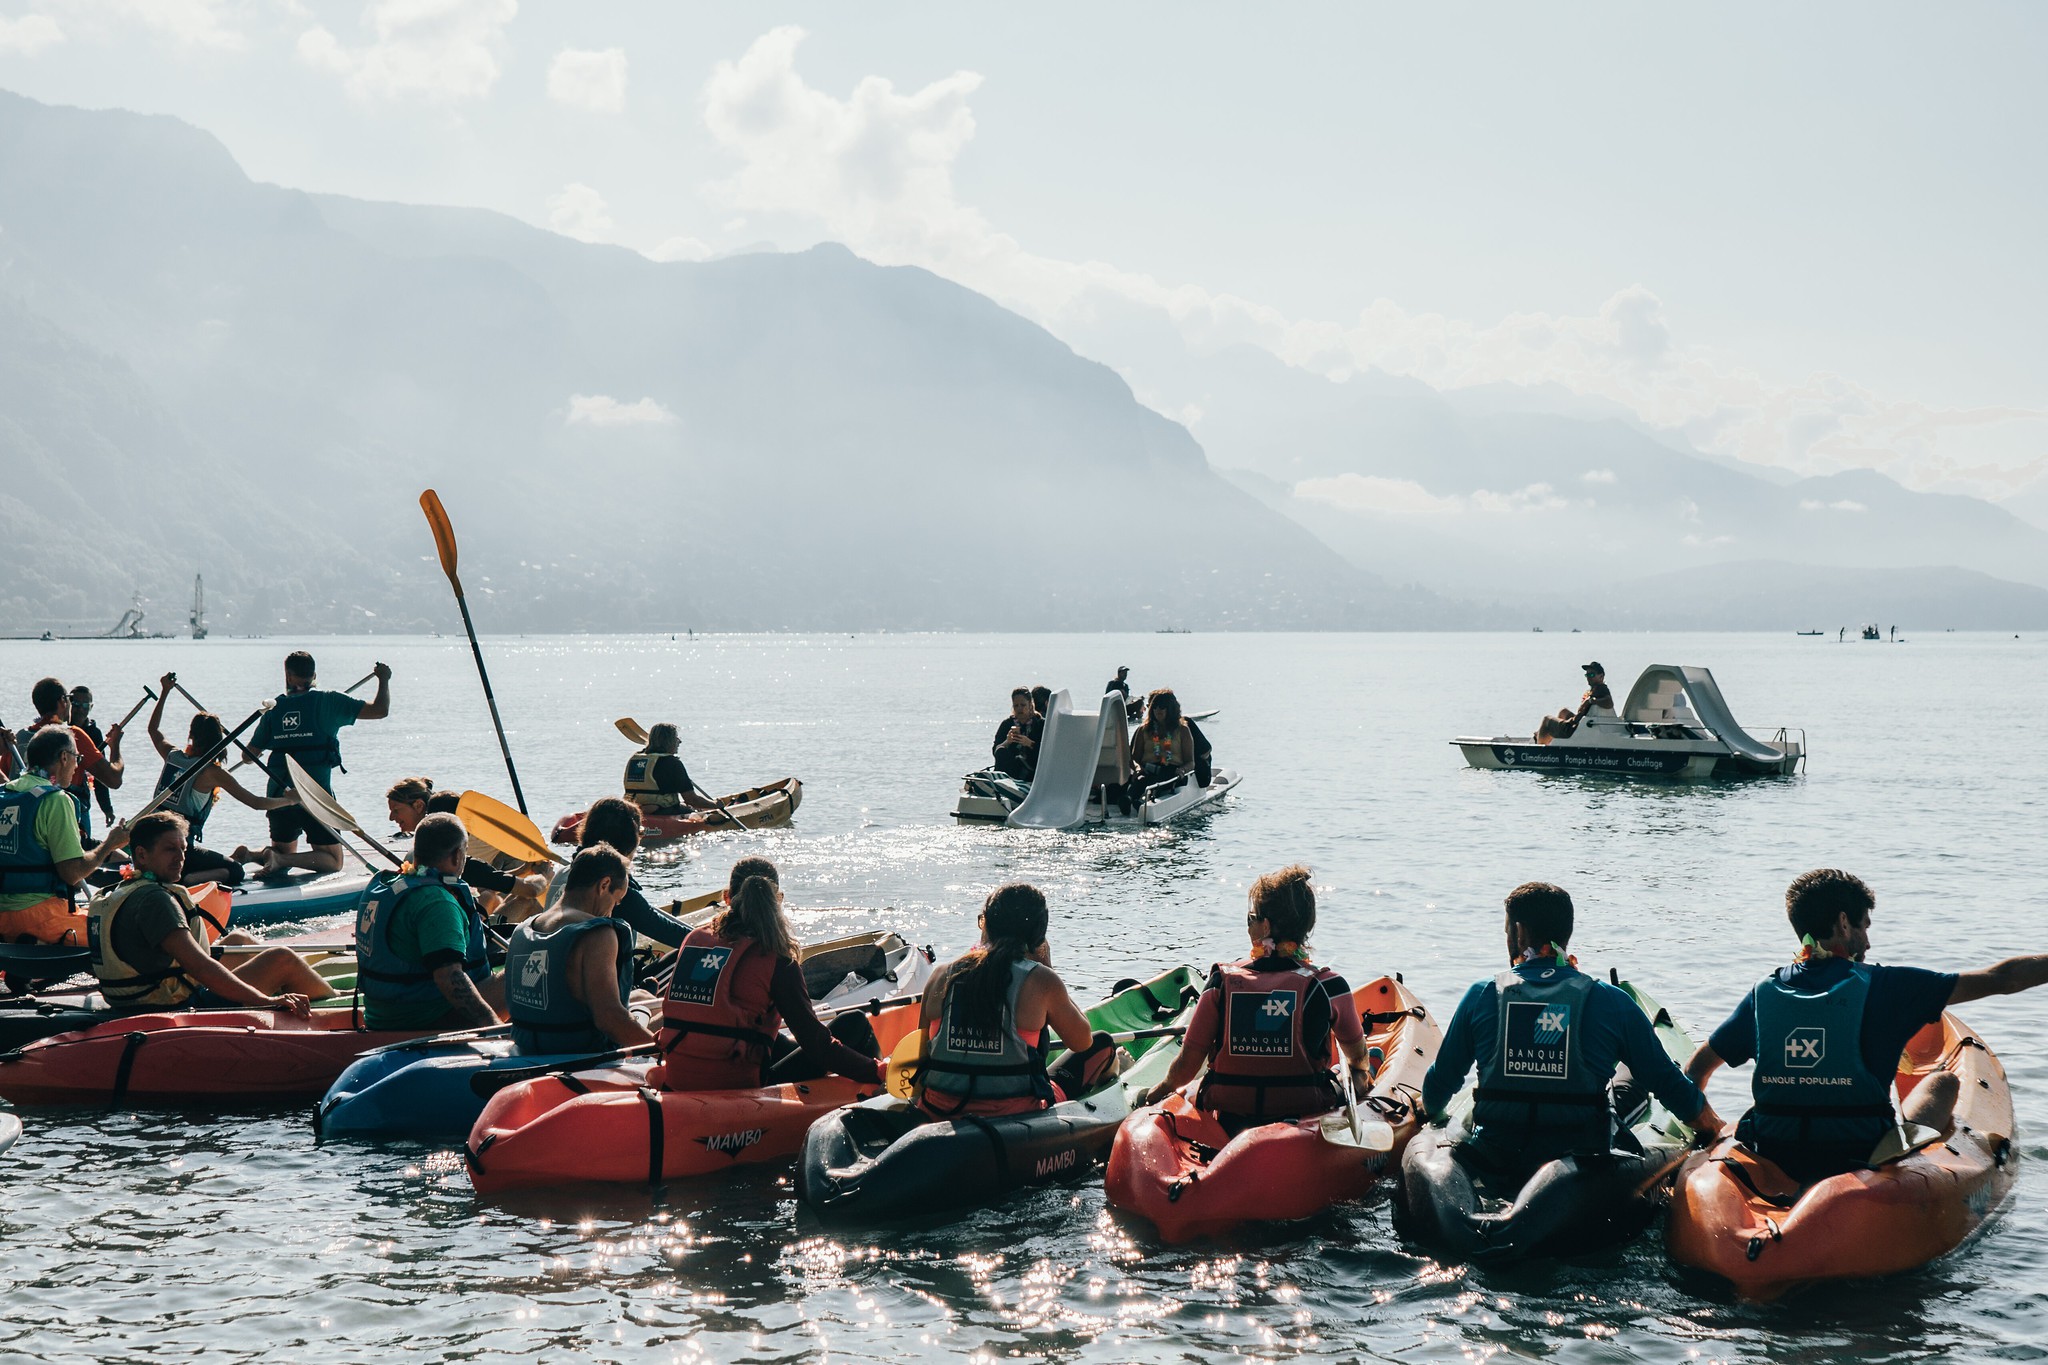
x=925 y=1064
x=1509 y=1095
x=1264 y=1083
x=142 y=983
x=682 y=1030
x=1823 y=1111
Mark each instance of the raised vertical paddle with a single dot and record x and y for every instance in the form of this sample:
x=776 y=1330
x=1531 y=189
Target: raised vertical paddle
x=444 y=542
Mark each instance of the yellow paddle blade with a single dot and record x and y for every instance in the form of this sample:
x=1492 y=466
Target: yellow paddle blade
x=909 y=1050
x=631 y=729
x=490 y=821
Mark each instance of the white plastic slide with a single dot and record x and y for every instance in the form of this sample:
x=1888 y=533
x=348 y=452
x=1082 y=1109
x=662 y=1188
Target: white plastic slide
x=1068 y=756
x=1656 y=697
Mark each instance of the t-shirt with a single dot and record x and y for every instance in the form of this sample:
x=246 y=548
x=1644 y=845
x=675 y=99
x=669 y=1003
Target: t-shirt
x=430 y=928
x=56 y=829
x=671 y=776
x=88 y=754
x=325 y=714
x=1902 y=1001
x=648 y=921
x=150 y=915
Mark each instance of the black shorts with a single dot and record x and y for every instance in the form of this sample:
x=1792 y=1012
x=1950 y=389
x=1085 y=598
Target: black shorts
x=289 y=822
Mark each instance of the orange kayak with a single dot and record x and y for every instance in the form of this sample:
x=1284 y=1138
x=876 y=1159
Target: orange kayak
x=608 y=1125
x=1177 y=1167
x=59 y=920
x=757 y=808
x=1738 y=1217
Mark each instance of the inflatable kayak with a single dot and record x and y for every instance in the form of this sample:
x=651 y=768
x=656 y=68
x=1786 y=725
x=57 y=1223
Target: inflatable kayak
x=59 y=922
x=1179 y=1168
x=883 y=1159
x=424 y=1089
x=609 y=1125
x=298 y=895
x=757 y=808
x=1566 y=1207
x=1740 y=1218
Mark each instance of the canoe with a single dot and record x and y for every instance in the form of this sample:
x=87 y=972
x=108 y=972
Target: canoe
x=1182 y=1171
x=883 y=1159
x=765 y=807
x=1570 y=1206
x=1743 y=1220
x=425 y=1091
x=608 y=1125
x=298 y=895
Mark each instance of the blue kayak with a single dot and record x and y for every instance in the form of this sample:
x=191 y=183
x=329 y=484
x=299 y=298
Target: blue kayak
x=419 y=1090
x=296 y=896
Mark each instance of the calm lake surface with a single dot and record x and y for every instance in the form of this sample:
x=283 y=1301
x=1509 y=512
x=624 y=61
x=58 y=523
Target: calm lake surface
x=233 y=1237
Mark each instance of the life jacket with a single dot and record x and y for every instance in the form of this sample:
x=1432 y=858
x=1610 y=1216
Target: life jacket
x=1810 y=1087
x=124 y=985
x=1004 y=1071
x=1272 y=1053
x=193 y=804
x=1537 y=1092
x=642 y=789
x=80 y=790
x=25 y=865
x=546 y=1015
x=381 y=974
x=719 y=1017
x=295 y=730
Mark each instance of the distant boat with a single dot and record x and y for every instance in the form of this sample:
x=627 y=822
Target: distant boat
x=1169 y=630
x=198 y=607
x=1809 y=632
x=1872 y=633
x=1535 y=630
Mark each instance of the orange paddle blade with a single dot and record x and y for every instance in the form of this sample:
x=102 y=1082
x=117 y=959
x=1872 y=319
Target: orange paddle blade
x=444 y=534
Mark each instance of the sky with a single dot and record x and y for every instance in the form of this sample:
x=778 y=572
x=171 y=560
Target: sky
x=1807 y=236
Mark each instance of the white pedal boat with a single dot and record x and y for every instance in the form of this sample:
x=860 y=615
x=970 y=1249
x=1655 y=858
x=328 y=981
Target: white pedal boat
x=1080 y=755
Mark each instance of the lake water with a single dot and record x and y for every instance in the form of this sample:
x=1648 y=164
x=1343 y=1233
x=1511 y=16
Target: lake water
x=158 y=1236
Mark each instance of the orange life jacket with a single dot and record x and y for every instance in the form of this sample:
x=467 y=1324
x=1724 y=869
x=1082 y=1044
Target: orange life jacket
x=718 y=1017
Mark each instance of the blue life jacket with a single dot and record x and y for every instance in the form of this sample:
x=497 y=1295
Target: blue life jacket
x=25 y=865
x=193 y=804
x=1810 y=1087
x=1536 y=1096
x=293 y=727
x=381 y=974
x=546 y=1015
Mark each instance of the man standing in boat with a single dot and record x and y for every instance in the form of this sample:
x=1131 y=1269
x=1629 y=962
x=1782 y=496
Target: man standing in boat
x=306 y=724
x=1597 y=698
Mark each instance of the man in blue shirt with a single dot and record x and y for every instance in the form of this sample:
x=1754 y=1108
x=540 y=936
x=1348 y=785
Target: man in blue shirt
x=1546 y=1040
x=305 y=723
x=1819 y=1107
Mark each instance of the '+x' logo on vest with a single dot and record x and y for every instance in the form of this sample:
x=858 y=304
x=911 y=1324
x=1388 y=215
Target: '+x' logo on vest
x=1551 y=1024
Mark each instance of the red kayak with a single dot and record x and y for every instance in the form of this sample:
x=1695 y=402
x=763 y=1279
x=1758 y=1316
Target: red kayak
x=1178 y=1167
x=190 y=1055
x=756 y=808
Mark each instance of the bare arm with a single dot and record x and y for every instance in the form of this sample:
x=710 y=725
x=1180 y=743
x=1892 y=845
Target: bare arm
x=1703 y=1064
x=198 y=964
x=76 y=870
x=462 y=995
x=594 y=979
x=2009 y=977
x=380 y=705
x=156 y=719
x=1065 y=1017
x=222 y=780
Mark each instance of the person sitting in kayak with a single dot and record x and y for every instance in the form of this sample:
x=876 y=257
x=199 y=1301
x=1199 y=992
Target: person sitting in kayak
x=1596 y=698
x=615 y=821
x=985 y=1017
x=305 y=723
x=1826 y=1033
x=1163 y=748
x=195 y=802
x=1015 y=750
x=42 y=859
x=104 y=767
x=569 y=969
x=1265 y=1025
x=412 y=799
x=146 y=946
x=735 y=985
x=656 y=779
x=420 y=939
x=1546 y=1039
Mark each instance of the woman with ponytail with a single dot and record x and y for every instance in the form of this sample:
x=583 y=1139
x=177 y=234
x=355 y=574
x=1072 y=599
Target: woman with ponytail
x=1265 y=1025
x=986 y=1013
x=736 y=984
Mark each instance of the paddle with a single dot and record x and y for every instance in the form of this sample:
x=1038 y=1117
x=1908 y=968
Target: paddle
x=635 y=731
x=1347 y=1129
x=444 y=542
x=199 y=764
x=434 y=1040
x=909 y=1051
x=148 y=696
x=248 y=754
x=510 y=832
x=360 y=681
x=1902 y=1141
x=322 y=806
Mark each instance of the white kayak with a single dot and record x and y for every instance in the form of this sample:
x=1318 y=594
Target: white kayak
x=297 y=895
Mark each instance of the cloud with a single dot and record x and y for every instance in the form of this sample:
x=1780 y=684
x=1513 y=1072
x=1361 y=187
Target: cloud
x=28 y=35
x=579 y=211
x=589 y=80
x=602 y=410
x=1597 y=476
x=1379 y=496
x=440 y=51
x=185 y=23
x=681 y=249
x=874 y=170
x=1845 y=505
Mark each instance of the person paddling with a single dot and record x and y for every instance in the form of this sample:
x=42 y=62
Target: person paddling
x=615 y=821
x=1546 y=1039
x=195 y=802
x=421 y=942
x=736 y=983
x=305 y=723
x=569 y=969
x=412 y=799
x=656 y=779
x=147 y=953
x=42 y=859
x=104 y=767
x=1826 y=1033
x=1265 y=1025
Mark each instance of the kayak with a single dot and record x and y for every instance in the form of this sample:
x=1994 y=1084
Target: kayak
x=191 y=1055
x=883 y=1159
x=1566 y=1207
x=1179 y=1168
x=1742 y=1219
x=765 y=807
x=424 y=1089
x=298 y=895
x=23 y=1019
x=607 y=1124
x=59 y=921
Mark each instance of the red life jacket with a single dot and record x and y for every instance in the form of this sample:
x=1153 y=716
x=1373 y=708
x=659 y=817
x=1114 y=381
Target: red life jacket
x=718 y=1017
x=1272 y=1054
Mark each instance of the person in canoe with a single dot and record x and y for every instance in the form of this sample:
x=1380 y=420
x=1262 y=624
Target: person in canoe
x=412 y=799
x=95 y=765
x=147 y=950
x=81 y=716
x=986 y=1015
x=195 y=802
x=1546 y=1040
x=1265 y=1025
x=736 y=984
x=1820 y=1102
x=1015 y=750
x=569 y=969
x=1596 y=698
x=615 y=822
x=306 y=723
x=420 y=939
x=656 y=779
x=42 y=858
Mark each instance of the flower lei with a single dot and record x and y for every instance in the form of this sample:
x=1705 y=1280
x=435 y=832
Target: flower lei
x=1266 y=947
x=1555 y=950
x=1811 y=950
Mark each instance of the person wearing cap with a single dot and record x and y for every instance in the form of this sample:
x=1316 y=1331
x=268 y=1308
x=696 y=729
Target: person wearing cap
x=1597 y=698
x=81 y=716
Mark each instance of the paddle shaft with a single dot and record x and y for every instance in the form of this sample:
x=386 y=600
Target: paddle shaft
x=635 y=731
x=198 y=765
x=444 y=545
x=148 y=696
x=360 y=681
x=248 y=754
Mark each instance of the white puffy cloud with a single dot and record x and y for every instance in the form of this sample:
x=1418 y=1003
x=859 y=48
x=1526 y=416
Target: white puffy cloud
x=184 y=23
x=579 y=211
x=681 y=248
x=589 y=80
x=602 y=410
x=440 y=51
x=28 y=35
x=1597 y=476
x=1380 y=496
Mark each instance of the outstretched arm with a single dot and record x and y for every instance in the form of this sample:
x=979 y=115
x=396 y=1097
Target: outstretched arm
x=156 y=716
x=2009 y=977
